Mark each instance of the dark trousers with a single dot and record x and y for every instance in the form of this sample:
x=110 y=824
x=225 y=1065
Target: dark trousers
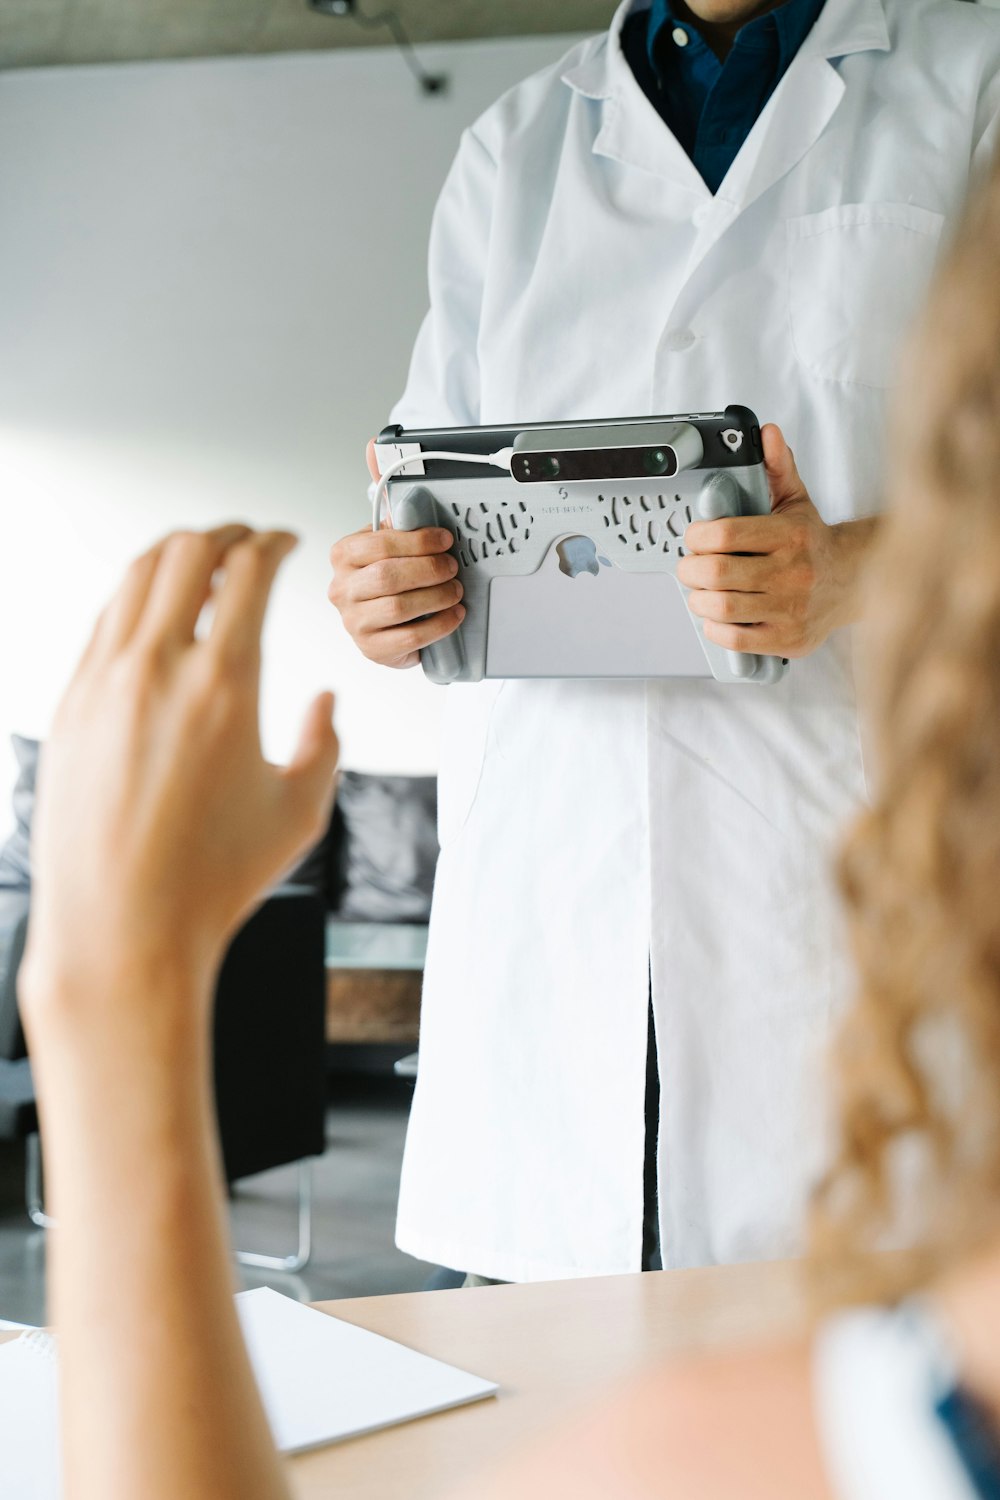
x=651 y=1257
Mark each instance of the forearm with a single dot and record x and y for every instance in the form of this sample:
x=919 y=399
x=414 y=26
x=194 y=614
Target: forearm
x=158 y=1398
x=853 y=544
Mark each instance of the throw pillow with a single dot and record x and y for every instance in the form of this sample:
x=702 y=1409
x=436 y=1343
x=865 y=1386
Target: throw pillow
x=389 y=849
x=15 y=858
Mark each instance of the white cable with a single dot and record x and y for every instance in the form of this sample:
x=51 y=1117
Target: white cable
x=502 y=459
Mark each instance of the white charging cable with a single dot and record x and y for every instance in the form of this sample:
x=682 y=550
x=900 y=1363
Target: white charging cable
x=502 y=459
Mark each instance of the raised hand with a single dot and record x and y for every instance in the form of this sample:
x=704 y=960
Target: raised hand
x=159 y=823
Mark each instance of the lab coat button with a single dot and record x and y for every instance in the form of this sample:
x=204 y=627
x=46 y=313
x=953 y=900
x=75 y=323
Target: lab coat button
x=701 y=215
x=679 y=340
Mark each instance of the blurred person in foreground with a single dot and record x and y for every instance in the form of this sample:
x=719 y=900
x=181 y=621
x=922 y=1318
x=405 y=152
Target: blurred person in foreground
x=897 y=1391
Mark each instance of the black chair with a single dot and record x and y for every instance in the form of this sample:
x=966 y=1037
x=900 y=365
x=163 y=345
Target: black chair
x=18 y=1115
x=270 y=1051
x=269 y=1044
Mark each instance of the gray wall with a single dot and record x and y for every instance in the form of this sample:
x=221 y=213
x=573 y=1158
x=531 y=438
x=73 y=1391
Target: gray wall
x=210 y=277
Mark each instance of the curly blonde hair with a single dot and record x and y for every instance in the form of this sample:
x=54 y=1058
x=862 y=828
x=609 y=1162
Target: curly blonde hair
x=918 y=1062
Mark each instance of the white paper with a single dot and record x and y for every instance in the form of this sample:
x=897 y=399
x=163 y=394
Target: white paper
x=321 y=1380
x=29 y=1422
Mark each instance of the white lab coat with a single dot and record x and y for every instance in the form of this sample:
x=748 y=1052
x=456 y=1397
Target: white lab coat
x=594 y=831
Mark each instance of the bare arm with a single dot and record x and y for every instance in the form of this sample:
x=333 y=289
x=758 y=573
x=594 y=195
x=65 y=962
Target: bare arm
x=158 y=1397
x=158 y=826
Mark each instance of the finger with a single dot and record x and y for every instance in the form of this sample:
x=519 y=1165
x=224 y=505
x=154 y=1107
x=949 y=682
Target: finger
x=400 y=609
x=400 y=575
x=372 y=460
x=120 y=615
x=310 y=775
x=749 y=534
x=177 y=594
x=731 y=608
x=726 y=570
x=762 y=638
x=251 y=567
x=783 y=477
x=365 y=547
x=404 y=640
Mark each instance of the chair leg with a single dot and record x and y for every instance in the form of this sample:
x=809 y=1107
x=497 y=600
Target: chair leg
x=33 y=1183
x=297 y=1262
x=301 y=1258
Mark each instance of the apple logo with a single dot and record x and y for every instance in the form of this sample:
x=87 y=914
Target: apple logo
x=578 y=554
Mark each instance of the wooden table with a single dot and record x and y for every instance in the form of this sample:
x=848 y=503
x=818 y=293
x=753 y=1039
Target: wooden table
x=551 y=1346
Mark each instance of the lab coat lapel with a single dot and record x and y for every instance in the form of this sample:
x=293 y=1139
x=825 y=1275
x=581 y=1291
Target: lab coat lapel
x=797 y=114
x=630 y=130
x=795 y=117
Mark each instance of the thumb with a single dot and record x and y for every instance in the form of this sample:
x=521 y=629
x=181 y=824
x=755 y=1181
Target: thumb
x=782 y=476
x=309 y=775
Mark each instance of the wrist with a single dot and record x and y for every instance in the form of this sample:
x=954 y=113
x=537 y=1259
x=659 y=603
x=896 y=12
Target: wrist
x=852 y=542
x=115 y=1009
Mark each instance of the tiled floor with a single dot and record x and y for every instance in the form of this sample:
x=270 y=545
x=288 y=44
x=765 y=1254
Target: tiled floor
x=356 y=1187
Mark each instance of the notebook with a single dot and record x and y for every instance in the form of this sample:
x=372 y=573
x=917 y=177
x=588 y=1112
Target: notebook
x=321 y=1381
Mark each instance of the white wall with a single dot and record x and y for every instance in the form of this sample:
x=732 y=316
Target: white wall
x=211 y=274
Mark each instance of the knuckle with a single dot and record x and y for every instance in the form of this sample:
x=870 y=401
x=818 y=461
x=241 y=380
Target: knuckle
x=214 y=699
x=143 y=665
x=353 y=623
x=180 y=544
x=408 y=639
x=257 y=550
x=397 y=608
x=382 y=577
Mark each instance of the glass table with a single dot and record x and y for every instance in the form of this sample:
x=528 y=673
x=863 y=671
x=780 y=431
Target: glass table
x=375 y=945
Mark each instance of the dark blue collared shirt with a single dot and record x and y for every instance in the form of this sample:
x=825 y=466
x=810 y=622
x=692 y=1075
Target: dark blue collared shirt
x=712 y=106
x=973 y=1430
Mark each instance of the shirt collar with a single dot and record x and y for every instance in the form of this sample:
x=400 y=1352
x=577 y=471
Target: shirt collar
x=782 y=30
x=596 y=68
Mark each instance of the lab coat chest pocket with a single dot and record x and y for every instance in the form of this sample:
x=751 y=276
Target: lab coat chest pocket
x=857 y=277
x=465 y=735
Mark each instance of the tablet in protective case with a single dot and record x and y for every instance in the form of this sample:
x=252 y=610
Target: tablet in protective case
x=568 y=560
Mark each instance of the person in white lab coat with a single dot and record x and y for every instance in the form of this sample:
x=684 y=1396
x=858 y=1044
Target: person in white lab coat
x=630 y=232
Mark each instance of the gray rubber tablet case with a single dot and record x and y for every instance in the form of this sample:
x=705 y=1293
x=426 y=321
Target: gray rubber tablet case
x=569 y=570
